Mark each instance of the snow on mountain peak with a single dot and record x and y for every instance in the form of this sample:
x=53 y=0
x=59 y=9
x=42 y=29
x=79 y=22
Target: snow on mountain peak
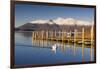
x=42 y=21
x=39 y=21
x=62 y=21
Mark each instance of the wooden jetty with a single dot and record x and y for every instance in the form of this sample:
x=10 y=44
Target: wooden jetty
x=80 y=37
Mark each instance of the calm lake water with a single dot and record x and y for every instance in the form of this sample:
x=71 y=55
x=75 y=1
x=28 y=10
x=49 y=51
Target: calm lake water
x=31 y=52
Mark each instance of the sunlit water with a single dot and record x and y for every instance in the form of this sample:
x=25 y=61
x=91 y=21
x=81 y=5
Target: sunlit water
x=30 y=52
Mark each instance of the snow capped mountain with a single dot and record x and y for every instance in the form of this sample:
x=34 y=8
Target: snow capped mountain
x=62 y=21
x=79 y=22
x=42 y=21
x=55 y=24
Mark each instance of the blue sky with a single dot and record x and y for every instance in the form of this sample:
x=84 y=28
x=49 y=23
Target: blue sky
x=25 y=13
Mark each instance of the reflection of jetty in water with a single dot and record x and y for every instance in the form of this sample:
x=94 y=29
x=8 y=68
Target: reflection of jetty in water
x=45 y=44
x=54 y=45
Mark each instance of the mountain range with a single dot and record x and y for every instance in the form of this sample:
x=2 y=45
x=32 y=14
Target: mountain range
x=55 y=24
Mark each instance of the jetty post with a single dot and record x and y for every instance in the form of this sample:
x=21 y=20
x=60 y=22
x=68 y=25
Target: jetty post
x=55 y=36
x=92 y=35
x=47 y=35
x=65 y=35
x=70 y=33
x=75 y=35
x=91 y=51
x=62 y=35
x=42 y=33
x=34 y=35
x=83 y=35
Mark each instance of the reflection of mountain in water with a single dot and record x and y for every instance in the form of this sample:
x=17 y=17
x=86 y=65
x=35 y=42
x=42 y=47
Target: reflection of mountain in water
x=25 y=34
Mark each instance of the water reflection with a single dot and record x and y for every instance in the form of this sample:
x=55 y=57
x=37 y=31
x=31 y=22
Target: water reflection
x=53 y=46
x=82 y=52
x=74 y=49
x=25 y=34
x=91 y=53
x=45 y=44
x=50 y=51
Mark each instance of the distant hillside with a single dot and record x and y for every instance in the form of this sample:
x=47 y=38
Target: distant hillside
x=35 y=27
